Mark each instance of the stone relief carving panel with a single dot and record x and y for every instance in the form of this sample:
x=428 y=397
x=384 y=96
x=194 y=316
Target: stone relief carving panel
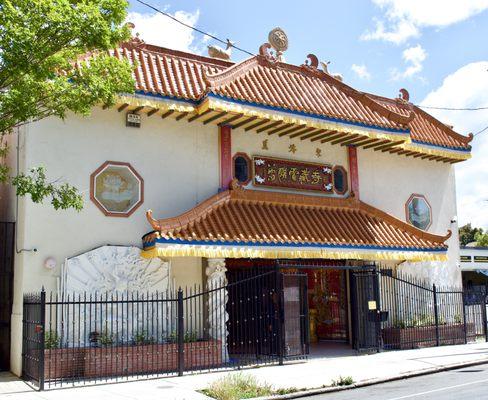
x=116 y=272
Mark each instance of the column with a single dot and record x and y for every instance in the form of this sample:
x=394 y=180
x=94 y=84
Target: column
x=225 y=155
x=217 y=300
x=353 y=170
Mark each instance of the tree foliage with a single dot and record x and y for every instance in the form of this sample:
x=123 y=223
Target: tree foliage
x=54 y=60
x=481 y=239
x=467 y=234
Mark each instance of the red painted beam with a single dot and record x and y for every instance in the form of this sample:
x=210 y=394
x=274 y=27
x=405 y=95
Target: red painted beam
x=353 y=170
x=225 y=156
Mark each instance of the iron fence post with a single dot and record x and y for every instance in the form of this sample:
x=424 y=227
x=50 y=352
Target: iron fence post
x=485 y=319
x=377 y=295
x=280 y=300
x=436 y=315
x=181 y=334
x=464 y=319
x=42 y=337
x=304 y=285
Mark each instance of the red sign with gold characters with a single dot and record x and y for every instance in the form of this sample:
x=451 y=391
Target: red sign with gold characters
x=291 y=174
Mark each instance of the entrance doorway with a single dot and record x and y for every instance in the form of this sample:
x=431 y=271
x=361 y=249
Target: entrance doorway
x=340 y=306
x=328 y=303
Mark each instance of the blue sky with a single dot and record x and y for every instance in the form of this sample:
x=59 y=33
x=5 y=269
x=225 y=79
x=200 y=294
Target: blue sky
x=435 y=49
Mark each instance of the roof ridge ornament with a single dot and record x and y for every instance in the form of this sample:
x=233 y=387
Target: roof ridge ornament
x=404 y=95
x=135 y=42
x=215 y=51
x=278 y=39
x=266 y=53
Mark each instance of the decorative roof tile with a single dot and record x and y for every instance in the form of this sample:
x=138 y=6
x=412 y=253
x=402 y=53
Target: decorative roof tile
x=186 y=76
x=247 y=216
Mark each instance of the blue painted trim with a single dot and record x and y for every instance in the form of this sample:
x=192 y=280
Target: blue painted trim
x=310 y=245
x=301 y=113
x=274 y=108
x=305 y=114
x=462 y=149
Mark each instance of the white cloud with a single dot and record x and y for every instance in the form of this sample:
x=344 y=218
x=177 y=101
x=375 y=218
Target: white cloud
x=361 y=71
x=162 y=31
x=404 y=19
x=467 y=87
x=414 y=57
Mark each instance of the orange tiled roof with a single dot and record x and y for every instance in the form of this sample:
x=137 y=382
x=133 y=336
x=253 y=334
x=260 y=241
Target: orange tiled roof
x=260 y=217
x=185 y=76
x=298 y=89
x=424 y=128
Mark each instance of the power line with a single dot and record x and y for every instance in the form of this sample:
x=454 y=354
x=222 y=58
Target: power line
x=226 y=42
x=481 y=131
x=454 y=109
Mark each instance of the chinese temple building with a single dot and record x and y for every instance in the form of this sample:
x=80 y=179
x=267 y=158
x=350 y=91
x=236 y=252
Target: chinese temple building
x=251 y=166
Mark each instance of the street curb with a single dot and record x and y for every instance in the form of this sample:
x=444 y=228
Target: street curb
x=375 y=381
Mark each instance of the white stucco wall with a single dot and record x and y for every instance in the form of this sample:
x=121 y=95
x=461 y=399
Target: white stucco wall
x=387 y=181
x=7 y=192
x=179 y=162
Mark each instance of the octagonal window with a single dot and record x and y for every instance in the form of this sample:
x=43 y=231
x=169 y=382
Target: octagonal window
x=419 y=212
x=117 y=189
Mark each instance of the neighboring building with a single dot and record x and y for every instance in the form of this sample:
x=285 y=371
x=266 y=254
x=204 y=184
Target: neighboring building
x=474 y=268
x=242 y=165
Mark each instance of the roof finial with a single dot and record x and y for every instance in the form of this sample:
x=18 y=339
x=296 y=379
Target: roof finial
x=404 y=95
x=312 y=61
x=218 y=52
x=279 y=41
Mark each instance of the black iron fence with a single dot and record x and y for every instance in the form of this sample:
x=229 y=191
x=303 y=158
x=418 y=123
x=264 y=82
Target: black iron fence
x=419 y=315
x=259 y=316
x=85 y=338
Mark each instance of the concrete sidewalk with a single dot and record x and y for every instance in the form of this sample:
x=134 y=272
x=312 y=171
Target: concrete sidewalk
x=315 y=373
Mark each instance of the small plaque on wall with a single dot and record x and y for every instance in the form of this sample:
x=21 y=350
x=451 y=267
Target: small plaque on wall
x=133 y=120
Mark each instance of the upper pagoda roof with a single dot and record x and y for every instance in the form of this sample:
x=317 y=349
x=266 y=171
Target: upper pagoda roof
x=304 y=91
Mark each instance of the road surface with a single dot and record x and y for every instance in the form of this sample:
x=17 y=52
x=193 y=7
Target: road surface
x=469 y=383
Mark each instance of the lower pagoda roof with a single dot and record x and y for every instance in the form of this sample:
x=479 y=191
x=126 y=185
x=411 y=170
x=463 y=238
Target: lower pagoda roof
x=240 y=223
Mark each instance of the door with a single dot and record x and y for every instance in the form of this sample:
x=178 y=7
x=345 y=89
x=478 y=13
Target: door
x=365 y=304
x=295 y=315
x=7 y=234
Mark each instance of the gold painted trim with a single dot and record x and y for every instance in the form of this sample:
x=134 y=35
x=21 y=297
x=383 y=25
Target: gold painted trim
x=210 y=251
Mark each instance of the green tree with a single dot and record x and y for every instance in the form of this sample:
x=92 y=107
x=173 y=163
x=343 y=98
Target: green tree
x=481 y=239
x=54 y=60
x=467 y=234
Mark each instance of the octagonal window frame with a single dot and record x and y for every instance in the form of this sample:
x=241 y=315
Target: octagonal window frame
x=249 y=167
x=100 y=205
x=407 y=211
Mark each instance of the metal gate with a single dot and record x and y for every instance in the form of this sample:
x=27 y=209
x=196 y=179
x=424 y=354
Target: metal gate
x=267 y=316
x=295 y=315
x=7 y=235
x=365 y=301
x=33 y=327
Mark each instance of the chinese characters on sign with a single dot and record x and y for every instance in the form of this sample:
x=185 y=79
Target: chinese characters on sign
x=292 y=174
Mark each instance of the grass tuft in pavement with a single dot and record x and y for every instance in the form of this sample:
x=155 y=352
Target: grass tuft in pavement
x=236 y=387
x=343 y=381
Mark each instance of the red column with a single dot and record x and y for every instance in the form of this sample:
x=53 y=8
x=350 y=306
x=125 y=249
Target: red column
x=353 y=170
x=225 y=156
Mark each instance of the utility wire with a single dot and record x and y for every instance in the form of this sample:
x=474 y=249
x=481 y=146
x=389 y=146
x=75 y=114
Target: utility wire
x=226 y=42
x=485 y=129
x=453 y=108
